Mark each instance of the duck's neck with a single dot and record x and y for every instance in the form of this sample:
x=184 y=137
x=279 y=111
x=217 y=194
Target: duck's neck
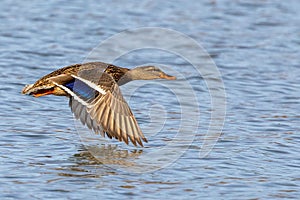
x=126 y=77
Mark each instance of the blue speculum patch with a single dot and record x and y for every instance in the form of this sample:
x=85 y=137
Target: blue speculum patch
x=82 y=90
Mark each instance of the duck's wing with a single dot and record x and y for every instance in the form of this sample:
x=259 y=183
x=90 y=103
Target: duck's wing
x=96 y=99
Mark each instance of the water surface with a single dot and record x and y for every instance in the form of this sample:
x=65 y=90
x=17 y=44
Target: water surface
x=255 y=45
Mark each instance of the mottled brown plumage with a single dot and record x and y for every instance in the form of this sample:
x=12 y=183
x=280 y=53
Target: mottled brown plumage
x=116 y=72
x=95 y=96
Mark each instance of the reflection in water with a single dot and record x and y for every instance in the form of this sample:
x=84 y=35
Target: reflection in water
x=97 y=161
x=112 y=155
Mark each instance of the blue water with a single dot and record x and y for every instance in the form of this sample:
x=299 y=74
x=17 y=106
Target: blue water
x=255 y=45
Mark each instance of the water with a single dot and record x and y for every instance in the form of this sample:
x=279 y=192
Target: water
x=255 y=45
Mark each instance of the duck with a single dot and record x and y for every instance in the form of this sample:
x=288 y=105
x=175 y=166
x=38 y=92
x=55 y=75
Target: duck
x=95 y=97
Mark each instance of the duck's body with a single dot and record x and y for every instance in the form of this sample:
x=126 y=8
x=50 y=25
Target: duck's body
x=95 y=97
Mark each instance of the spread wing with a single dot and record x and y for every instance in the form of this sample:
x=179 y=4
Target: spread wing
x=96 y=99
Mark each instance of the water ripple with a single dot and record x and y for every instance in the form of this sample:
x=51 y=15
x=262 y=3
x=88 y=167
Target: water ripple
x=255 y=44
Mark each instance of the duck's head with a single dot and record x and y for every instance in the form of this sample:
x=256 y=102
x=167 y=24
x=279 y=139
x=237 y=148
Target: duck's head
x=149 y=73
x=145 y=73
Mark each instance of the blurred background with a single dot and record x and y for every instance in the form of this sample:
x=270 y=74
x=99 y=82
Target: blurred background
x=255 y=45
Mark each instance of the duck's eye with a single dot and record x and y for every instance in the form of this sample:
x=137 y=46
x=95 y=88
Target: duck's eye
x=152 y=69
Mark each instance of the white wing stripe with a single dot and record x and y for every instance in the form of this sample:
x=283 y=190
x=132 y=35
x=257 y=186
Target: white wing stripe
x=91 y=84
x=72 y=93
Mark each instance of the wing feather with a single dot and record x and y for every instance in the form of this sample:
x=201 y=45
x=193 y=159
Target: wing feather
x=105 y=110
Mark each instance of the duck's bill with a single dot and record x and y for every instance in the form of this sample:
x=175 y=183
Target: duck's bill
x=168 y=77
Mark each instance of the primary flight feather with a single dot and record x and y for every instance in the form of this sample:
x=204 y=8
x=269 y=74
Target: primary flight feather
x=95 y=97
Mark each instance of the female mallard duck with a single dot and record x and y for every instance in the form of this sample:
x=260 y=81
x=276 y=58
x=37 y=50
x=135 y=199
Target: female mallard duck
x=95 y=97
